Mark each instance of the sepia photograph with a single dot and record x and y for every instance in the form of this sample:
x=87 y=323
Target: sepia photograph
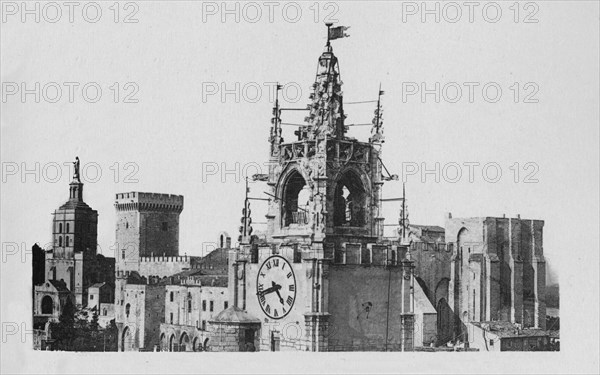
x=239 y=187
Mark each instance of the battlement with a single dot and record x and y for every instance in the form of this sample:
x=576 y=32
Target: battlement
x=139 y=201
x=168 y=259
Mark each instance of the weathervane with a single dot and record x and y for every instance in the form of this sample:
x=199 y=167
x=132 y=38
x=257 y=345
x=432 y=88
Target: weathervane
x=336 y=32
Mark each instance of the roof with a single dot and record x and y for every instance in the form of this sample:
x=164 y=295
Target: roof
x=75 y=205
x=234 y=314
x=431 y=228
x=214 y=262
x=505 y=329
x=97 y=285
x=61 y=286
x=197 y=275
x=422 y=303
x=427 y=233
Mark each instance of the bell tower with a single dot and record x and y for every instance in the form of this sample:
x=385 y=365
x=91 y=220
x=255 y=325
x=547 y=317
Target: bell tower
x=325 y=185
x=324 y=237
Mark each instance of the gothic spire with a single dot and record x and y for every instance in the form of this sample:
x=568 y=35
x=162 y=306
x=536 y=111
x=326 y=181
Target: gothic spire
x=326 y=116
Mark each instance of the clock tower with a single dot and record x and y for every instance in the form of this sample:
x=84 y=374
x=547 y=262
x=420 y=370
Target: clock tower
x=324 y=279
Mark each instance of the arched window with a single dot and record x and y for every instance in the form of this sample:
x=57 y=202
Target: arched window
x=71 y=279
x=66 y=240
x=184 y=342
x=350 y=201
x=47 y=305
x=171 y=297
x=127 y=308
x=172 y=343
x=296 y=195
x=68 y=228
x=60 y=241
x=221 y=242
x=163 y=343
x=59 y=227
x=394 y=258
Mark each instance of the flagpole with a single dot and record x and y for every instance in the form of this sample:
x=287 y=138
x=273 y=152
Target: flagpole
x=403 y=212
x=328 y=24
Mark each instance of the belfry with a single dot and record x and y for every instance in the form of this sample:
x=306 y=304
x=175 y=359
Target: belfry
x=323 y=279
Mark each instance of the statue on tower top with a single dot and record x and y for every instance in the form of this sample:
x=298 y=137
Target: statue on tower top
x=76 y=169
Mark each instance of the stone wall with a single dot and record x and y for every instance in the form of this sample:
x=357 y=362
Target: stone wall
x=501 y=261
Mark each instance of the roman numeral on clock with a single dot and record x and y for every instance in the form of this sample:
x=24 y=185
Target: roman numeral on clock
x=289 y=275
x=268 y=309
x=292 y=287
x=275 y=314
x=269 y=265
x=290 y=300
x=275 y=262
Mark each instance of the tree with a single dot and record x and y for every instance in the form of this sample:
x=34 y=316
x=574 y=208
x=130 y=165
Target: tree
x=94 y=323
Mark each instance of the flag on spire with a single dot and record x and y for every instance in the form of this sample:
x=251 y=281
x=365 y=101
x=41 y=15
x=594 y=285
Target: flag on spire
x=338 y=32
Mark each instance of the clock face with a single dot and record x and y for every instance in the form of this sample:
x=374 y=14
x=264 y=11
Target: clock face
x=276 y=287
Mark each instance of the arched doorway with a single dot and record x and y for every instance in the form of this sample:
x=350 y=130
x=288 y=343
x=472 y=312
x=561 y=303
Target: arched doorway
x=127 y=340
x=172 y=343
x=184 y=342
x=47 y=305
x=444 y=322
x=163 y=343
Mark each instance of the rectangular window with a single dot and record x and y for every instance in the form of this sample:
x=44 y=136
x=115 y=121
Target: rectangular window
x=474 y=304
x=189 y=306
x=123 y=254
x=212 y=305
x=297 y=255
x=204 y=305
x=91 y=296
x=204 y=325
x=171 y=320
x=225 y=305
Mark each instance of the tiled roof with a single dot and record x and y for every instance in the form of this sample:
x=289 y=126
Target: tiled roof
x=235 y=315
x=75 y=205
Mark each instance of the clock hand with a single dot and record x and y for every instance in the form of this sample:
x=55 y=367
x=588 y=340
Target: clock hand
x=267 y=291
x=277 y=287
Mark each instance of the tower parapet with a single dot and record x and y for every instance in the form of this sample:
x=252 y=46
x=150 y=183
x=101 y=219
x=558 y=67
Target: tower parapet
x=138 y=201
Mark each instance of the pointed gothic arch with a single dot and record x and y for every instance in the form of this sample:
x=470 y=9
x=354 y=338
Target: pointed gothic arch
x=351 y=200
x=184 y=342
x=127 y=340
x=295 y=194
